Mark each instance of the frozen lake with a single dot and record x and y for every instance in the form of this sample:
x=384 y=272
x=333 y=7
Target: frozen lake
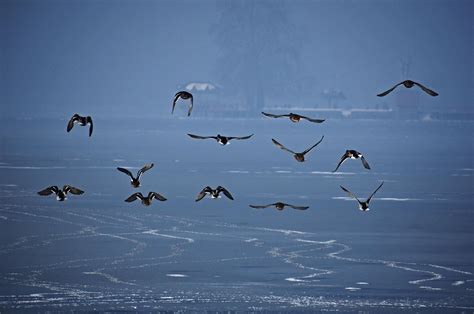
x=414 y=250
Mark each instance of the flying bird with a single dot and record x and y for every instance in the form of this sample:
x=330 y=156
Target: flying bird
x=82 y=121
x=223 y=140
x=183 y=95
x=135 y=182
x=298 y=156
x=280 y=206
x=145 y=200
x=61 y=195
x=293 y=117
x=352 y=154
x=214 y=193
x=363 y=206
x=410 y=84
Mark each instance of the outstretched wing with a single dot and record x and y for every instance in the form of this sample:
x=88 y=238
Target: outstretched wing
x=364 y=162
x=223 y=190
x=313 y=120
x=176 y=97
x=368 y=200
x=49 y=190
x=426 y=90
x=349 y=192
x=239 y=137
x=70 y=124
x=158 y=196
x=190 y=106
x=144 y=169
x=261 y=206
x=271 y=115
x=297 y=207
x=281 y=146
x=126 y=171
x=73 y=190
x=201 y=137
x=389 y=91
x=91 y=125
x=343 y=158
x=309 y=149
x=201 y=194
x=134 y=196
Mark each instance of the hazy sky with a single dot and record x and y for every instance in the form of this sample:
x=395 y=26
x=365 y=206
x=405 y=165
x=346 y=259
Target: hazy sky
x=130 y=56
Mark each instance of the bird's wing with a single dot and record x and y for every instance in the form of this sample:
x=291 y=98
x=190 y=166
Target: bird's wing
x=201 y=137
x=176 y=97
x=126 y=171
x=309 y=149
x=239 y=137
x=70 y=124
x=271 y=115
x=343 y=158
x=261 y=206
x=281 y=146
x=49 y=190
x=365 y=163
x=297 y=207
x=226 y=193
x=389 y=91
x=426 y=90
x=368 y=200
x=349 y=192
x=190 y=106
x=73 y=190
x=201 y=194
x=144 y=169
x=313 y=120
x=91 y=127
x=134 y=196
x=158 y=196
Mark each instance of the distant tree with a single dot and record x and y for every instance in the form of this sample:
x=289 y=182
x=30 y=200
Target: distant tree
x=259 y=49
x=332 y=96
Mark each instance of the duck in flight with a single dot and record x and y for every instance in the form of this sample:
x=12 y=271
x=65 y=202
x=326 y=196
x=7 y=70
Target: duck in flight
x=363 y=206
x=214 y=193
x=223 y=140
x=293 y=117
x=135 y=182
x=298 y=156
x=61 y=195
x=145 y=200
x=82 y=121
x=280 y=206
x=183 y=95
x=352 y=154
x=409 y=84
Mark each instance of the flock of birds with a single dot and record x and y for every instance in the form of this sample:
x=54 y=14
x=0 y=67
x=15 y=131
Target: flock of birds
x=61 y=194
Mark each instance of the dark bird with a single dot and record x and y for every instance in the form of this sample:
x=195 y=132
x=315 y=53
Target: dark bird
x=352 y=154
x=409 y=84
x=223 y=140
x=135 y=182
x=363 y=206
x=293 y=117
x=298 y=156
x=61 y=195
x=183 y=95
x=145 y=200
x=82 y=121
x=280 y=206
x=213 y=193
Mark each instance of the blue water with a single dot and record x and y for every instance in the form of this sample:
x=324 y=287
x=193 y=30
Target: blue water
x=413 y=251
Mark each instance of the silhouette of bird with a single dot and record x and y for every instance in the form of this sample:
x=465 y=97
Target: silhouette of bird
x=223 y=140
x=280 y=206
x=214 y=193
x=82 y=121
x=409 y=84
x=61 y=195
x=183 y=95
x=298 y=156
x=145 y=200
x=363 y=206
x=135 y=182
x=293 y=117
x=352 y=154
